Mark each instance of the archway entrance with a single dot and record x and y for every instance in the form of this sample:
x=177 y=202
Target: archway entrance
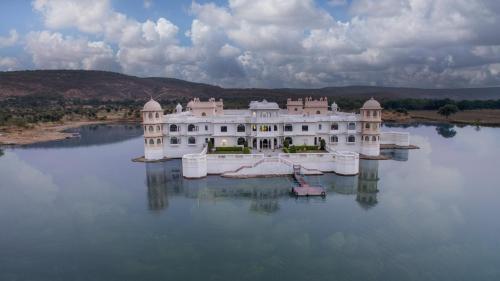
x=265 y=143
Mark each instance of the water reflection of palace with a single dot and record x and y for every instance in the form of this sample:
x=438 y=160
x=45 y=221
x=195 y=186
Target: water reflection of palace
x=165 y=180
x=367 y=183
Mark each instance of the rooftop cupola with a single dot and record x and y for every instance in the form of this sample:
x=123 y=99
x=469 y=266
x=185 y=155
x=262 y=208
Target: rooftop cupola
x=152 y=105
x=178 y=108
x=335 y=107
x=371 y=104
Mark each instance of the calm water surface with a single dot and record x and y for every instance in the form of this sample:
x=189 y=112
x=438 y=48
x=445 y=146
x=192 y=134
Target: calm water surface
x=81 y=210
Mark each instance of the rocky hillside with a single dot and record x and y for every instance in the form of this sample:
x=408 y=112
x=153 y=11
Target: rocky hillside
x=114 y=86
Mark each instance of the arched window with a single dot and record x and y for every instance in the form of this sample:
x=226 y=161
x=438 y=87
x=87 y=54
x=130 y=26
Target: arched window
x=288 y=127
x=295 y=109
x=150 y=115
x=318 y=112
x=191 y=140
x=203 y=114
x=351 y=126
x=158 y=128
x=367 y=126
x=157 y=115
x=335 y=126
x=334 y=139
x=275 y=128
x=374 y=138
x=173 y=128
x=191 y=128
x=151 y=141
x=241 y=128
x=368 y=113
x=320 y=127
x=374 y=113
x=145 y=141
x=241 y=141
x=174 y=140
x=158 y=141
x=289 y=140
x=367 y=138
x=351 y=138
x=151 y=128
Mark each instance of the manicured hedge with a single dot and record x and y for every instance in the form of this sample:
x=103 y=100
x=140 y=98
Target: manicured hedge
x=229 y=148
x=300 y=148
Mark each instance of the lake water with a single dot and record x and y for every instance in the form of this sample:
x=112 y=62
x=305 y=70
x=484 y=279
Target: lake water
x=81 y=210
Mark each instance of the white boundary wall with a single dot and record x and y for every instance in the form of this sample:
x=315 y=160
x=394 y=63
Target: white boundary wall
x=246 y=165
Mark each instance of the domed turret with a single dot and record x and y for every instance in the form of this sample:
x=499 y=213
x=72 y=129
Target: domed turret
x=152 y=105
x=371 y=104
x=152 y=119
x=178 y=108
x=371 y=120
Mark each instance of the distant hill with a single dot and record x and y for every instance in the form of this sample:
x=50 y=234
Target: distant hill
x=114 y=86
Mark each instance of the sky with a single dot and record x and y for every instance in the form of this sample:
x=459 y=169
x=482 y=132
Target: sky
x=261 y=43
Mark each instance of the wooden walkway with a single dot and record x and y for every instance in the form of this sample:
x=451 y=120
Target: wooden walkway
x=303 y=188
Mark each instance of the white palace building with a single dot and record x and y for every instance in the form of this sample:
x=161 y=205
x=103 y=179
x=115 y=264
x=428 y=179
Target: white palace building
x=265 y=128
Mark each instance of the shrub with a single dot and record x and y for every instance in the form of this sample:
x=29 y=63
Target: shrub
x=322 y=144
x=229 y=148
x=285 y=143
x=246 y=150
x=448 y=110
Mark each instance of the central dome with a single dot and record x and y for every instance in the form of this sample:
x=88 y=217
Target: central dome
x=152 y=105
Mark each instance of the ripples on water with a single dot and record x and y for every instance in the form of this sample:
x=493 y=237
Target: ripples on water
x=79 y=209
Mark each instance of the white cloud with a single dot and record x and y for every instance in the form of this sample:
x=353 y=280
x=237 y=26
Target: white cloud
x=274 y=43
x=53 y=50
x=9 y=40
x=87 y=15
x=8 y=63
x=229 y=51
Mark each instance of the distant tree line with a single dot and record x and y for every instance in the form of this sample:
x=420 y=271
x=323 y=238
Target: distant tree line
x=429 y=104
x=46 y=107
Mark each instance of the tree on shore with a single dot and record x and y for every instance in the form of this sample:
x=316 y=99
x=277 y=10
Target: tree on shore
x=448 y=109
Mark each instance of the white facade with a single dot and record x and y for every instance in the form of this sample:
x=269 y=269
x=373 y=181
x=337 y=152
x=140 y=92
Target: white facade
x=263 y=126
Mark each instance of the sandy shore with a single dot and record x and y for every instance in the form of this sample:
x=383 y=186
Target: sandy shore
x=45 y=132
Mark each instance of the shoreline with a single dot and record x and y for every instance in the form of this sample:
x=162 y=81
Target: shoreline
x=44 y=132
x=477 y=117
x=13 y=136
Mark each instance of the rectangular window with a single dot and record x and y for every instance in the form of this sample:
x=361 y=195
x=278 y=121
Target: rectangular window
x=351 y=126
x=288 y=128
x=319 y=127
x=223 y=129
x=305 y=128
x=206 y=127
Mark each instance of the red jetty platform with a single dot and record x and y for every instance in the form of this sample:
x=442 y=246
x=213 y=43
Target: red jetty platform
x=304 y=189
